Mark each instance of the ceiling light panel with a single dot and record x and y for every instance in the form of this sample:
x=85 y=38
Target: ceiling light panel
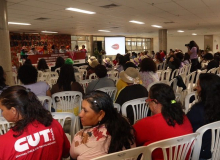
x=103 y=30
x=17 y=23
x=48 y=32
x=181 y=31
x=157 y=26
x=80 y=10
x=137 y=22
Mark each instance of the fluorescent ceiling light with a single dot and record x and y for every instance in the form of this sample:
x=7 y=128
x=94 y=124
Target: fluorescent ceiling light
x=156 y=26
x=17 y=23
x=48 y=32
x=180 y=31
x=194 y=34
x=80 y=10
x=138 y=22
x=104 y=31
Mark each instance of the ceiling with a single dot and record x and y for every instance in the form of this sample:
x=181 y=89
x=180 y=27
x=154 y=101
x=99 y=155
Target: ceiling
x=192 y=16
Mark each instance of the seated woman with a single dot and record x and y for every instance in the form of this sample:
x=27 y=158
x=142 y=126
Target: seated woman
x=148 y=72
x=42 y=65
x=59 y=62
x=66 y=81
x=28 y=76
x=2 y=80
x=109 y=131
x=102 y=81
x=207 y=110
x=168 y=119
x=35 y=135
x=93 y=62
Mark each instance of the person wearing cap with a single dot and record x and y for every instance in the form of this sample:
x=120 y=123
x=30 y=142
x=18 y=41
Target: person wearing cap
x=102 y=81
x=133 y=90
x=33 y=51
x=92 y=64
x=69 y=61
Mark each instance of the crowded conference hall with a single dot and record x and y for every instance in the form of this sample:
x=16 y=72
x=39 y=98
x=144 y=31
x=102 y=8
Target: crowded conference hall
x=109 y=80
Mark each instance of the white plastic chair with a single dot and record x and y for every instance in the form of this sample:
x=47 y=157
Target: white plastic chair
x=68 y=101
x=52 y=81
x=213 y=70
x=46 y=101
x=165 y=75
x=54 y=74
x=129 y=154
x=4 y=126
x=111 y=91
x=174 y=73
x=45 y=76
x=197 y=75
x=57 y=70
x=215 y=140
x=115 y=79
x=75 y=69
x=78 y=76
x=83 y=72
x=92 y=76
x=61 y=117
x=188 y=105
x=189 y=81
x=139 y=107
x=178 y=147
x=113 y=73
x=83 y=67
x=117 y=106
x=188 y=68
x=84 y=84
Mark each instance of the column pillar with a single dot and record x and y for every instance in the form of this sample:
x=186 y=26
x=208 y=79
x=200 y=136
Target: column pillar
x=163 y=39
x=91 y=45
x=5 y=53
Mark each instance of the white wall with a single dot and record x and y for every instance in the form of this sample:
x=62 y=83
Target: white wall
x=216 y=41
x=155 y=44
x=179 y=42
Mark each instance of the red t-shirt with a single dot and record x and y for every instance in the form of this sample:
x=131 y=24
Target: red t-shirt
x=155 y=128
x=37 y=142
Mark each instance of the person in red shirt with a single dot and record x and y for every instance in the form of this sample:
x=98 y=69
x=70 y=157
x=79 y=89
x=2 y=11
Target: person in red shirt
x=83 y=49
x=35 y=134
x=168 y=119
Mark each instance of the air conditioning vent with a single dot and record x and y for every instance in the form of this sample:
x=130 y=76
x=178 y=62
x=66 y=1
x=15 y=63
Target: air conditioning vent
x=42 y=19
x=110 y=6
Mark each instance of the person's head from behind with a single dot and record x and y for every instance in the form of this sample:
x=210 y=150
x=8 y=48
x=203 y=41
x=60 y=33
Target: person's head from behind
x=59 y=62
x=159 y=57
x=121 y=60
x=208 y=89
x=129 y=64
x=101 y=71
x=42 y=65
x=66 y=77
x=161 y=99
x=217 y=57
x=148 y=65
x=208 y=56
x=2 y=77
x=27 y=62
x=98 y=109
x=187 y=56
x=20 y=105
x=27 y=74
x=180 y=56
x=117 y=56
x=76 y=47
x=127 y=57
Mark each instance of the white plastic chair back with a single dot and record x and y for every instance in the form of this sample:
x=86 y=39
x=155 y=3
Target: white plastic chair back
x=4 y=126
x=188 y=105
x=39 y=74
x=178 y=147
x=188 y=68
x=117 y=106
x=45 y=76
x=183 y=70
x=174 y=73
x=52 y=81
x=165 y=75
x=92 y=76
x=189 y=81
x=46 y=101
x=67 y=101
x=75 y=69
x=215 y=142
x=111 y=91
x=57 y=70
x=129 y=154
x=83 y=67
x=198 y=73
x=61 y=117
x=78 y=76
x=213 y=70
x=173 y=83
x=83 y=72
x=151 y=84
x=139 y=107
x=160 y=66
x=54 y=74
x=113 y=74
x=84 y=84
x=218 y=70
x=159 y=73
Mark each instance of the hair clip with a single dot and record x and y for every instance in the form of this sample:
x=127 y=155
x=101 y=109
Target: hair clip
x=173 y=101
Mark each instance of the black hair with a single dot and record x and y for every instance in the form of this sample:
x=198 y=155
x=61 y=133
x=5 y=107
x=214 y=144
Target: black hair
x=59 y=62
x=117 y=56
x=27 y=62
x=121 y=60
x=172 y=112
x=180 y=56
x=66 y=77
x=42 y=65
x=127 y=57
x=193 y=44
x=2 y=78
x=187 y=57
x=117 y=126
x=27 y=105
x=27 y=74
x=208 y=56
x=147 y=64
x=209 y=95
x=100 y=71
x=129 y=64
